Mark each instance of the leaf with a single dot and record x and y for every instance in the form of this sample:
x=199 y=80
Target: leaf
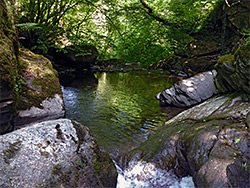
x=237 y=140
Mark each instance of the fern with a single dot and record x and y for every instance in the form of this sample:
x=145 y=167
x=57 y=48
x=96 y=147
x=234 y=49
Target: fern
x=28 y=26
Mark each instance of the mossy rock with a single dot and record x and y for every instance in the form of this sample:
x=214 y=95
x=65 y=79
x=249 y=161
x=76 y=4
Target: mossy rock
x=234 y=72
x=200 y=47
x=9 y=68
x=39 y=80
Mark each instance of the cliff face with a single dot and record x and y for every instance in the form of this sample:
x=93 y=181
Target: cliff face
x=9 y=68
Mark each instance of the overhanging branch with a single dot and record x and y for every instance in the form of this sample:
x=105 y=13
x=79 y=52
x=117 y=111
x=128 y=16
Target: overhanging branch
x=151 y=13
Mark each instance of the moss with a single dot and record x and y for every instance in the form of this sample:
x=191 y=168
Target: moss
x=228 y=59
x=81 y=132
x=40 y=80
x=9 y=65
x=11 y=151
x=44 y=153
x=105 y=168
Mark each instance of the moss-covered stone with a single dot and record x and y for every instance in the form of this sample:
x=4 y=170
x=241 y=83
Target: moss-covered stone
x=39 y=80
x=234 y=72
x=9 y=68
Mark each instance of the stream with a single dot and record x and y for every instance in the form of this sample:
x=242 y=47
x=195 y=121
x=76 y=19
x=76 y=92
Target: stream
x=121 y=112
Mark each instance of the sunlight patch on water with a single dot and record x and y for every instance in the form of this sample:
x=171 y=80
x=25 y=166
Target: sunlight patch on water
x=141 y=174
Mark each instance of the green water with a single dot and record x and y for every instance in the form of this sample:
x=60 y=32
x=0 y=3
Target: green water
x=121 y=110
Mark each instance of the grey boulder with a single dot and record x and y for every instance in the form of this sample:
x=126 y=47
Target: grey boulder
x=58 y=153
x=189 y=92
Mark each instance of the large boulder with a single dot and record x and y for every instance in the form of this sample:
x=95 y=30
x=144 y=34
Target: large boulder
x=39 y=96
x=8 y=68
x=234 y=71
x=58 y=153
x=189 y=91
x=209 y=141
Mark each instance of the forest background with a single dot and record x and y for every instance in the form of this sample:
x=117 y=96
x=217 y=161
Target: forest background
x=134 y=31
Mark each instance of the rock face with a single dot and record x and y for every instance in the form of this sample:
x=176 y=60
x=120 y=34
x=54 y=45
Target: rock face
x=209 y=141
x=8 y=68
x=40 y=96
x=59 y=153
x=189 y=91
x=6 y=108
x=75 y=63
x=234 y=71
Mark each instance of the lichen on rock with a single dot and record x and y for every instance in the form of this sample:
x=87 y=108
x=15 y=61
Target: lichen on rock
x=54 y=154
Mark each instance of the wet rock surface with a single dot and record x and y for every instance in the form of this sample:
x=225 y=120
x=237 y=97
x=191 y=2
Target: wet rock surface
x=209 y=141
x=59 y=153
x=189 y=91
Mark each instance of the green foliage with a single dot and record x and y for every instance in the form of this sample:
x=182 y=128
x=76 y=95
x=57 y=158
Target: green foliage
x=247 y=35
x=132 y=31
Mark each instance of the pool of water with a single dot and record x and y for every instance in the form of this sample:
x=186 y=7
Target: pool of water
x=120 y=110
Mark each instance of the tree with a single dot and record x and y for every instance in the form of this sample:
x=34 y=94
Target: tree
x=133 y=31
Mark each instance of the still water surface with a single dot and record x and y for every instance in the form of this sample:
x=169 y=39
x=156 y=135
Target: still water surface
x=121 y=110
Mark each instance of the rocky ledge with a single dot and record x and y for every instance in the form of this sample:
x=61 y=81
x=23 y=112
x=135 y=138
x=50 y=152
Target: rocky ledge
x=58 y=153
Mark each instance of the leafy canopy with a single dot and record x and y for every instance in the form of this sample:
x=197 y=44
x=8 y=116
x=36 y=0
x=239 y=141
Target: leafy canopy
x=142 y=31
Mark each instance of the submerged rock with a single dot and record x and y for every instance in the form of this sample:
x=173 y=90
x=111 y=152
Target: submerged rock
x=189 y=91
x=59 y=153
x=209 y=141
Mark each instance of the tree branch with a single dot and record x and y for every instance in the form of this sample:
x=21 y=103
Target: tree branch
x=151 y=13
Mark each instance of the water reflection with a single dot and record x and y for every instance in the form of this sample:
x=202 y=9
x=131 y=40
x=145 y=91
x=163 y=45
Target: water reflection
x=121 y=110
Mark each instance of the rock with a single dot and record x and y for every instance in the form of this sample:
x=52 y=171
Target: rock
x=209 y=141
x=8 y=68
x=234 y=71
x=40 y=97
x=199 y=56
x=189 y=91
x=248 y=120
x=59 y=153
x=51 y=108
x=227 y=159
x=6 y=108
x=80 y=57
x=198 y=48
x=75 y=63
